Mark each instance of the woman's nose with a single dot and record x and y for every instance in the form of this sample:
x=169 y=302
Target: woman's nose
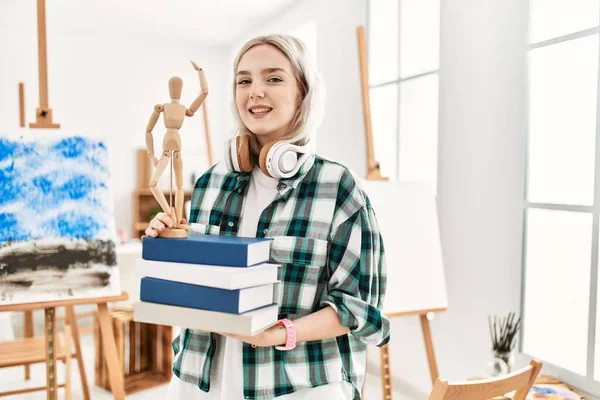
x=257 y=91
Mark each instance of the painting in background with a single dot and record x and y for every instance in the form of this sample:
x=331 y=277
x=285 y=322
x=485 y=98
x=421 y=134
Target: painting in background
x=57 y=230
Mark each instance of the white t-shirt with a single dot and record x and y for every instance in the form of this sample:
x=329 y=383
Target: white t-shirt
x=227 y=362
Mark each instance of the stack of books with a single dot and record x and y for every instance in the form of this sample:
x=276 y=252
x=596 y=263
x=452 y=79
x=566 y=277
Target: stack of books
x=208 y=283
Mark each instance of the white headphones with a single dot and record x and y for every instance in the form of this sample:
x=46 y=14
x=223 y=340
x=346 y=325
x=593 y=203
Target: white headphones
x=277 y=159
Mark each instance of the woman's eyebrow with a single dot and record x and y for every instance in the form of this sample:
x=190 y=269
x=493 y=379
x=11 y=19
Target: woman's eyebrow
x=264 y=71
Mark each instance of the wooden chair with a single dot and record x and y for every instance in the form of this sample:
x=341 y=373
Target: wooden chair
x=31 y=350
x=484 y=389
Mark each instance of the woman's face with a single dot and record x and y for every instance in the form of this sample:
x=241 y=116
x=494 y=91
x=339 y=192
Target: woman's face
x=267 y=94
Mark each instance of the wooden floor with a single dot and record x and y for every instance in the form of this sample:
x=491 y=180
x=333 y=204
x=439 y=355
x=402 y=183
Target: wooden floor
x=13 y=378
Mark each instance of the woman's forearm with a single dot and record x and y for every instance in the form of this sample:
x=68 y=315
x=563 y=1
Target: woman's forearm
x=320 y=325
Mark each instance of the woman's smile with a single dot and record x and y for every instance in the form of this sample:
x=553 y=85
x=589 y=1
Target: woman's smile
x=259 y=112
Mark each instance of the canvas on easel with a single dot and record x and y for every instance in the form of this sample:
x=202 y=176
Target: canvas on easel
x=416 y=285
x=57 y=233
x=57 y=240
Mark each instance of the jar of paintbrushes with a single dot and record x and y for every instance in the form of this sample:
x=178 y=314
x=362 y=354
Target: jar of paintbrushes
x=503 y=334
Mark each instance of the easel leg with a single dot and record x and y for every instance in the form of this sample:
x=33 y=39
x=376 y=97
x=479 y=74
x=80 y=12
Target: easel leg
x=115 y=371
x=28 y=332
x=433 y=370
x=68 y=389
x=386 y=375
x=50 y=335
x=72 y=320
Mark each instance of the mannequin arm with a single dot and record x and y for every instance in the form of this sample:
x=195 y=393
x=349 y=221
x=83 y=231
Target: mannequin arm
x=204 y=92
x=149 y=139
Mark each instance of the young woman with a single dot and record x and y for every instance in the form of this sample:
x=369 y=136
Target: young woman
x=325 y=236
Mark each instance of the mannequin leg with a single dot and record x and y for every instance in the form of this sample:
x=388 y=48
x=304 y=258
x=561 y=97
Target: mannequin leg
x=158 y=194
x=178 y=169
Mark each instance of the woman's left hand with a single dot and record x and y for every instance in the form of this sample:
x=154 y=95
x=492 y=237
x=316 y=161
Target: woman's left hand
x=274 y=336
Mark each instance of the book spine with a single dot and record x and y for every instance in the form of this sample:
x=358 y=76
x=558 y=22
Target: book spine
x=194 y=252
x=191 y=296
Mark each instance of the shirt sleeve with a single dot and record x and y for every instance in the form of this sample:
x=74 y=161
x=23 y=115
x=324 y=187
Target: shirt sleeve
x=357 y=284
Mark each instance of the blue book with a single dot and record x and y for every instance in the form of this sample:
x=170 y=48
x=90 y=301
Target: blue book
x=227 y=251
x=206 y=298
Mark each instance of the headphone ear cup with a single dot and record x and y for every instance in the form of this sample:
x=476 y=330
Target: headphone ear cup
x=244 y=154
x=262 y=158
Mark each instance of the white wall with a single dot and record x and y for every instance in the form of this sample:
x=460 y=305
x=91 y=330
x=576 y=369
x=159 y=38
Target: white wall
x=481 y=168
x=104 y=84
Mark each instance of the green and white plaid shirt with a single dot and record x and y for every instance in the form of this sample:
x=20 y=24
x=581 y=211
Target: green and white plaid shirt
x=326 y=238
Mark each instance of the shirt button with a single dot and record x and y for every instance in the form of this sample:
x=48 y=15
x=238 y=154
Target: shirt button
x=230 y=224
x=281 y=186
x=265 y=231
x=253 y=346
x=240 y=191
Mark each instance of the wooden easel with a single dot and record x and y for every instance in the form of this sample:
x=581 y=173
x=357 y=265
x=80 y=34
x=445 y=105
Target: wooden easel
x=106 y=330
x=43 y=112
x=386 y=371
x=374 y=173
x=207 y=132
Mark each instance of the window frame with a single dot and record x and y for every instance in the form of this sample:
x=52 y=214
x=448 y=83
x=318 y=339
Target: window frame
x=399 y=81
x=585 y=384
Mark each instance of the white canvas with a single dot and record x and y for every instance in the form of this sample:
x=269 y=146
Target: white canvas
x=407 y=217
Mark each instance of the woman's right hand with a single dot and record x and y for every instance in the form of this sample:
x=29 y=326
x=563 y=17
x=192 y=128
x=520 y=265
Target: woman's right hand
x=159 y=223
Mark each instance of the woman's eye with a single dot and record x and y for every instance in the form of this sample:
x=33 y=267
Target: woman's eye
x=274 y=79
x=243 y=82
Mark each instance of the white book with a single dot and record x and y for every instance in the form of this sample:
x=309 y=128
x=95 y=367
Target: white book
x=249 y=323
x=230 y=278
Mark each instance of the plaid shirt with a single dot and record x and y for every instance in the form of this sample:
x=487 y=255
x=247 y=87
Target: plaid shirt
x=326 y=238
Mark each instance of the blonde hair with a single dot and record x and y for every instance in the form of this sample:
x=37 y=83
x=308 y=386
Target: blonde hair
x=309 y=113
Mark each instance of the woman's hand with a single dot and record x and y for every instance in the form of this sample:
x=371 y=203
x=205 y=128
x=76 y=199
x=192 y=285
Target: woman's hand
x=275 y=336
x=160 y=223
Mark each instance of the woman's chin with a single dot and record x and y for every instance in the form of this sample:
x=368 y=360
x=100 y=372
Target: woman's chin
x=260 y=129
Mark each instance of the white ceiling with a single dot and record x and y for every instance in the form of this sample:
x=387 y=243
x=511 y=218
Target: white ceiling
x=217 y=22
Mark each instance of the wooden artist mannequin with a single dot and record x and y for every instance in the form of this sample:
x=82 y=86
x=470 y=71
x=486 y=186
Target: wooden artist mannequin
x=174 y=114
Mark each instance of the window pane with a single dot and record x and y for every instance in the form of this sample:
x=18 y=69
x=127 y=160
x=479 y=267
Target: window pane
x=562 y=122
x=557 y=277
x=552 y=18
x=383 y=41
x=419 y=36
x=384 y=119
x=597 y=344
x=419 y=129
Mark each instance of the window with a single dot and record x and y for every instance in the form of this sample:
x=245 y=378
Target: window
x=403 y=46
x=562 y=204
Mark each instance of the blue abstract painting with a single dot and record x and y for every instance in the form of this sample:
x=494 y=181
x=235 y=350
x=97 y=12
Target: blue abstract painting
x=57 y=233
